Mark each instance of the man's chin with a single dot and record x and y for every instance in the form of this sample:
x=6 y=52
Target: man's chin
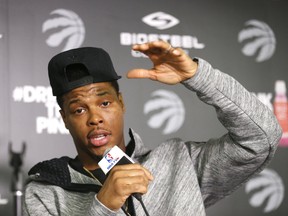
x=97 y=158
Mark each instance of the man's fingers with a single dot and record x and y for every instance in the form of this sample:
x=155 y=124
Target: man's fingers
x=148 y=174
x=156 y=47
x=140 y=47
x=133 y=170
x=140 y=74
x=123 y=181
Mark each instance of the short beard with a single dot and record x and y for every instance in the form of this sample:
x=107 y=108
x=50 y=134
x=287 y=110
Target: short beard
x=93 y=157
x=96 y=157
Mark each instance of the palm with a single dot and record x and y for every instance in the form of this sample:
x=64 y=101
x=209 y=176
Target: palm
x=171 y=71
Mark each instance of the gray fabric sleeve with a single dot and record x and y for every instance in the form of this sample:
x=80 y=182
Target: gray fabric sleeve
x=97 y=208
x=48 y=200
x=223 y=164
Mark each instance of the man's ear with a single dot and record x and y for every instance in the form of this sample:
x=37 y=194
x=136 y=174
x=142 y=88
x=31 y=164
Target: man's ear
x=63 y=117
x=121 y=100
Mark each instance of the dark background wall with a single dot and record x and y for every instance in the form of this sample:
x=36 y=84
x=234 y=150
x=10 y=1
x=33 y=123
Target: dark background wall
x=246 y=39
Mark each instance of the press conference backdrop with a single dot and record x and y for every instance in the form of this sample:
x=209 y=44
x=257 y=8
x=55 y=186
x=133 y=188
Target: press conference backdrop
x=246 y=39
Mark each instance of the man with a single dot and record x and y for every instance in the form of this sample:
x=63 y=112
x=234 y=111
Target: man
x=92 y=108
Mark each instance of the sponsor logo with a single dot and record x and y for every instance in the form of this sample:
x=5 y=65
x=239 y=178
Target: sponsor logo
x=168 y=111
x=259 y=40
x=111 y=160
x=51 y=123
x=109 y=157
x=267 y=189
x=160 y=21
x=67 y=26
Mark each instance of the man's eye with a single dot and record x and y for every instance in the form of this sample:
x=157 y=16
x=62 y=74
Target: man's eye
x=79 y=111
x=106 y=103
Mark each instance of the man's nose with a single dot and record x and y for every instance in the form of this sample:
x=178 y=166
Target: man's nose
x=95 y=118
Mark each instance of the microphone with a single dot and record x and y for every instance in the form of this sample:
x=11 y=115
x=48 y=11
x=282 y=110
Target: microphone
x=115 y=156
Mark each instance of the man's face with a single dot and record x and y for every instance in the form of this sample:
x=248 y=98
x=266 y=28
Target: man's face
x=94 y=116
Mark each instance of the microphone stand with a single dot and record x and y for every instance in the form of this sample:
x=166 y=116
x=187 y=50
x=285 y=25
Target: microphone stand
x=16 y=160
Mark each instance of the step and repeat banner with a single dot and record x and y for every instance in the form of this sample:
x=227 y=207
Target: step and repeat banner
x=246 y=39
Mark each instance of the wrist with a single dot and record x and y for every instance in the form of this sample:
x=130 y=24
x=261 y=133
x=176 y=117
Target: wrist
x=104 y=209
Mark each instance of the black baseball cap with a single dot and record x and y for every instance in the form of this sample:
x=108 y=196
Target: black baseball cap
x=95 y=64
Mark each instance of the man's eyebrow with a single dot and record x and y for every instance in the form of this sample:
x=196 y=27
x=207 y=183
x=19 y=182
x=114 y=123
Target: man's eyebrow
x=76 y=100
x=100 y=93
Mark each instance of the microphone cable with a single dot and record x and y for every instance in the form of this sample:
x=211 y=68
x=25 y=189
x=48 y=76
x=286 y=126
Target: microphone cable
x=139 y=198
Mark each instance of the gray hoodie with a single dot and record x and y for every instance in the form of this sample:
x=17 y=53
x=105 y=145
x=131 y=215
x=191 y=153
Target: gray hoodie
x=188 y=176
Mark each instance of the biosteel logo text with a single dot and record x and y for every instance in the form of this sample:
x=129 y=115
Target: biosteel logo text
x=160 y=21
